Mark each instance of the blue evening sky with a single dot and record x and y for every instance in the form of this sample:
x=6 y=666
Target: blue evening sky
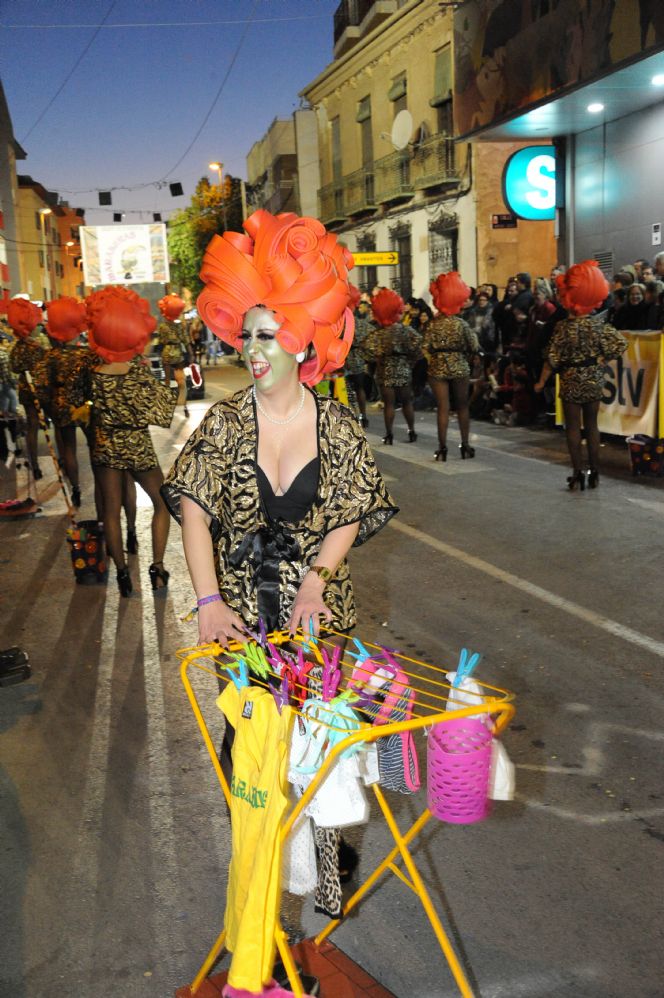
x=139 y=95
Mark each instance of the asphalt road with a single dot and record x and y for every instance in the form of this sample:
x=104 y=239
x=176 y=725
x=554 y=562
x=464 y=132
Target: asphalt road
x=114 y=841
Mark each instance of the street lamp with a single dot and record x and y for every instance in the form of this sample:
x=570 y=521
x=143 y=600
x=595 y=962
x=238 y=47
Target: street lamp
x=218 y=167
x=42 y=213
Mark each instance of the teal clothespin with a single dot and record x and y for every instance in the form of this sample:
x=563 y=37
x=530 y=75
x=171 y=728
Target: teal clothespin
x=467 y=663
x=241 y=676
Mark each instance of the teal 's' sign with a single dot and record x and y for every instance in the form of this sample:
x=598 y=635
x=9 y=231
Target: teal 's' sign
x=529 y=183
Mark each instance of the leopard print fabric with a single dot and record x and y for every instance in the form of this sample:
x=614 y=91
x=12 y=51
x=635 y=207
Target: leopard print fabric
x=67 y=367
x=28 y=355
x=448 y=345
x=575 y=347
x=217 y=469
x=174 y=342
x=123 y=406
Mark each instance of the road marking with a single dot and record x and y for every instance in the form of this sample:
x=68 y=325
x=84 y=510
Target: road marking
x=160 y=800
x=537 y=592
x=652 y=504
x=592 y=820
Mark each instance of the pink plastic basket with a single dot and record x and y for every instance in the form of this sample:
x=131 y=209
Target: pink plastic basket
x=458 y=766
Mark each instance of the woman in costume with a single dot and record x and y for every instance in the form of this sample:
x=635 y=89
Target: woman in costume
x=356 y=364
x=65 y=365
x=27 y=358
x=449 y=345
x=579 y=348
x=395 y=348
x=175 y=344
x=278 y=483
x=126 y=400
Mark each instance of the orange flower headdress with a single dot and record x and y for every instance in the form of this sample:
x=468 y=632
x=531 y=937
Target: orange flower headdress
x=449 y=293
x=583 y=288
x=119 y=323
x=23 y=316
x=171 y=306
x=355 y=297
x=66 y=319
x=293 y=266
x=387 y=307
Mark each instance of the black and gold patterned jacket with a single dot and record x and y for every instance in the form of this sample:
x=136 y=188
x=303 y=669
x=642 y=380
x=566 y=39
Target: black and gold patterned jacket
x=577 y=351
x=217 y=469
x=69 y=371
x=174 y=341
x=28 y=355
x=448 y=345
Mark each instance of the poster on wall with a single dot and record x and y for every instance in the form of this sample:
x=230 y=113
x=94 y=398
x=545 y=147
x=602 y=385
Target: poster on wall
x=124 y=254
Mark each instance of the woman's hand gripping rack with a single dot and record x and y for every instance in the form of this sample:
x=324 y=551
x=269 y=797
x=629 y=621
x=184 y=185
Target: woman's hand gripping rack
x=392 y=696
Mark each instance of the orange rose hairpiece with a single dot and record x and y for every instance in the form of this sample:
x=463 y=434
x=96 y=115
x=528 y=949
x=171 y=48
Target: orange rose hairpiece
x=387 y=307
x=23 y=316
x=119 y=323
x=171 y=306
x=66 y=319
x=293 y=266
x=583 y=288
x=355 y=296
x=449 y=293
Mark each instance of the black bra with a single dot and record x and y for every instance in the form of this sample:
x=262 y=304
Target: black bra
x=299 y=497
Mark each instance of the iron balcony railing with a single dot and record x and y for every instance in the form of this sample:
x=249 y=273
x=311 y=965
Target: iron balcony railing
x=392 y=177
x=331 y=199
x=359 y=191
x=433 y=162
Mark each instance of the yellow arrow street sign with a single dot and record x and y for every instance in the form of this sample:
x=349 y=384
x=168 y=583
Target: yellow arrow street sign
x=388 y=259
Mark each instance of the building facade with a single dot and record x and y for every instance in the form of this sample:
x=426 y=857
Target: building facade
x=11 y=281
x=587 y=78
x=282 y=166
x=41 y=244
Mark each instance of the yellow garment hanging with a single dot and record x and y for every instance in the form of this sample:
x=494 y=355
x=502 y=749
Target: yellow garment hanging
x=258 y=803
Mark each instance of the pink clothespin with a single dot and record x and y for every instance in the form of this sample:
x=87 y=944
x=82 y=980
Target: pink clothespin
x=331 y=673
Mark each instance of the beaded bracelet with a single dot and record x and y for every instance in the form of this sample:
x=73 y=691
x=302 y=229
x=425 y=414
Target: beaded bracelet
x=215 y=598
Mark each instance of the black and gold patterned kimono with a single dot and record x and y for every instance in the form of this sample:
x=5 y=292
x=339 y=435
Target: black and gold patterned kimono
x=260 y=564
x=67 y=367
x=576 y=351
x=395 y=349
x=356 y=359
x=448 y=345
x=174 y=341
x=123 y=407
x=28 y=355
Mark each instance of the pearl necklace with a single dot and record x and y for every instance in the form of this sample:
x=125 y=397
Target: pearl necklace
x=280 y=422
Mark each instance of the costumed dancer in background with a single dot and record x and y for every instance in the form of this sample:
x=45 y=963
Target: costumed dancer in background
x=395 y=348
x=278 y=482
x=65 y=365
x=28 y=356
x=579 y=348
x=126 y=400
x=356 y=364
x=175 y=344
x=449 y=345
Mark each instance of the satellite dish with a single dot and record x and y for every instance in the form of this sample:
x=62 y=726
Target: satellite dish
x=402 y=129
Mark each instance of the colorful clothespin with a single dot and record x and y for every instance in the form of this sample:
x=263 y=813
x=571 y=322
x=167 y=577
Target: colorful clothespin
x=467 y=663
x=278 y=687
x=241 y=677
x=362 y=653
x=331 y=673
x=256 y=659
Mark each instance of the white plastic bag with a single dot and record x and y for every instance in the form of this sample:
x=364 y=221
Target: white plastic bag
x=340 y=800
x=501 y=774
x=300 y=874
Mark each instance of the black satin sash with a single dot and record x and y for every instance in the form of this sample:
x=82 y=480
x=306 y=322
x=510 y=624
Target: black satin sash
x=265 y=549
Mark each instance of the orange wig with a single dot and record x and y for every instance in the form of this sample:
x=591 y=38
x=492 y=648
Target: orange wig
x=294 y=267
x=171 y=306
x=355 y=296
x=23 y=316
x=449 y=293
x=119 y=323
x=66 y=319
x=583 y=288
x=387 y=307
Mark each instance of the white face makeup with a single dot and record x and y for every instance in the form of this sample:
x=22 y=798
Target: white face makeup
x=267 y=361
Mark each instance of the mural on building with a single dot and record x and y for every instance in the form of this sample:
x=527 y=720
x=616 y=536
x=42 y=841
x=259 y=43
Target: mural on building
x=510 y=54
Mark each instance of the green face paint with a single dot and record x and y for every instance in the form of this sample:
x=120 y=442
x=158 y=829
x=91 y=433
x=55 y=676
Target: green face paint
x=267 y=361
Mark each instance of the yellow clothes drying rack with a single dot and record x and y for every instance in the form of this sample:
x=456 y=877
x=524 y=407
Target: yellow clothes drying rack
x=432 y=696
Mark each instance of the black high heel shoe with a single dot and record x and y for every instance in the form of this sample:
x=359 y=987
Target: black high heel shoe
x=412 y=436
x=466 y=451
x=186 y=412
x=124 y=582
x=593 y=478
x=76 y=497
x=364 y=421
x=158 y=573
x=132 y=541
x=440 y=454
x=578 y=478
x=388 y=438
